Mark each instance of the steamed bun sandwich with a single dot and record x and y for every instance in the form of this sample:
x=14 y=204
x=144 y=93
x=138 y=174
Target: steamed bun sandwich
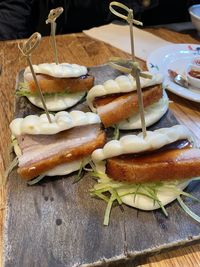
x=63 y=85
x=116 y=101
x=57 y=148
x=146 y=173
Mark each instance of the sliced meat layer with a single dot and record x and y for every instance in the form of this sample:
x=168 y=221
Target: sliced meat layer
x=50 y=84
x=113 y=109
x=177 y=164
x=41 y=153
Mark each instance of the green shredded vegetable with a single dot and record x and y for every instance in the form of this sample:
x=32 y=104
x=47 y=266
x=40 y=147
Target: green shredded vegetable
x=108 y=210
x=116 y=132
x=187 y=210
x=82 y=170
x=36 y=180
x=12 y=165
x=80 y=173
x=112 y=191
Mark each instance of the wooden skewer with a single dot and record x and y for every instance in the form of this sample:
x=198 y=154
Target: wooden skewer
x=53 y=15
x=131 y=34
x=53 y=34
x=135 y=72
x=27 y=48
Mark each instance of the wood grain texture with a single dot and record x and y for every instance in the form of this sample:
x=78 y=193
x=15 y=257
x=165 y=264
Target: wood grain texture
x=81 y=49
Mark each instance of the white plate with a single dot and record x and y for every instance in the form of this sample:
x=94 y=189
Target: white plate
x=176 y=57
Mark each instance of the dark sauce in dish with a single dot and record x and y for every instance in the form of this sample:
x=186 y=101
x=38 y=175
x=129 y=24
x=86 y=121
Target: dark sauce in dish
x=194 y=73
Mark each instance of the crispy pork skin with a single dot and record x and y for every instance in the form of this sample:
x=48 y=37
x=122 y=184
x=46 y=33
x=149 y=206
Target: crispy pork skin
x=50 y=84
x=168 y=165
x=41 y=153
x=113 y=109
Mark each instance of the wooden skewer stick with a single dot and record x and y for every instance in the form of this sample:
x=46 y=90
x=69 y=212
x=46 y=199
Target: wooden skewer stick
x=135 y=66
x=27 y=48
x=136 y=73
x=53 y=15
x=129 y=19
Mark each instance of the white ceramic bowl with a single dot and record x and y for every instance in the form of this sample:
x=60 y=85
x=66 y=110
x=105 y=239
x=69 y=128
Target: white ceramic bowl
x=195 y=16
x=192 y=80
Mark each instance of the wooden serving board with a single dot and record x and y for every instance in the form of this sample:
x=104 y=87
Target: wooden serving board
x=57 y=224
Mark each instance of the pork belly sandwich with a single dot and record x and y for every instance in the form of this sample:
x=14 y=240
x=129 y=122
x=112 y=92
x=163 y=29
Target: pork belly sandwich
x=63 y=85
x=146 y=173
x=56 y=148
x=116 y=101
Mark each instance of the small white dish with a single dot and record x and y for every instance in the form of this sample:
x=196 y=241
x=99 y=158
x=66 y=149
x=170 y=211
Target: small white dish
x=193 y=75
x=195 y=16
x=176 y=57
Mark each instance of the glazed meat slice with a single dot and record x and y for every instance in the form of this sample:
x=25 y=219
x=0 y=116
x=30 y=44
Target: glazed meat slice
x=173 y=164
x=41 y=153
x=113 y=109
x=50 y=84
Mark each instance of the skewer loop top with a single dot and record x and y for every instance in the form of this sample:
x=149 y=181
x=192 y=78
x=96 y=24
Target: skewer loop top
x=54 y=14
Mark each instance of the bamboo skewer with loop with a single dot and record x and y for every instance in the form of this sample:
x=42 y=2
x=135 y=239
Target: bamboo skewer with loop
x=133 y=66
x=53 y=15
x=26 y=49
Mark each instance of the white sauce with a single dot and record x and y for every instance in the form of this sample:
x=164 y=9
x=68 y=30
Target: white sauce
x=62 y=70
x=61 y=121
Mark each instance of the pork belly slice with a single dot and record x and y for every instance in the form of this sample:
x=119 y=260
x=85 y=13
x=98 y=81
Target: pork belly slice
x=50 y=84
x=176 y=164
x=41 y=153
x=113 y=109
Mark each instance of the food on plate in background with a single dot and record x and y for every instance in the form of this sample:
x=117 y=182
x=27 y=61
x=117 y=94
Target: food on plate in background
x=193 y=75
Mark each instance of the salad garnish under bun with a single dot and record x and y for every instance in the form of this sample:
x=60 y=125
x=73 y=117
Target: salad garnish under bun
x=116 y=101
x=55 y=148
x=146 y=173
x=63 y=85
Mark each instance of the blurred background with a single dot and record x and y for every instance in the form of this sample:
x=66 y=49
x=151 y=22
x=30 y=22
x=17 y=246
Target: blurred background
x=20 y=18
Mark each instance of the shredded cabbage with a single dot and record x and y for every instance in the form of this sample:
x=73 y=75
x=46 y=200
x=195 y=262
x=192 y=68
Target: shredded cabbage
x=112 y=191
x=12 y=165
x=36 y=180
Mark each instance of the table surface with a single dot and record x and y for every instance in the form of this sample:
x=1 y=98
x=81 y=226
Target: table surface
x=81 y=49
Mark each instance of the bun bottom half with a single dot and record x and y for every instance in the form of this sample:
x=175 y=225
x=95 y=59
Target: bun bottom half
x=67 y=168
x=57 y=102
x=144 y=203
